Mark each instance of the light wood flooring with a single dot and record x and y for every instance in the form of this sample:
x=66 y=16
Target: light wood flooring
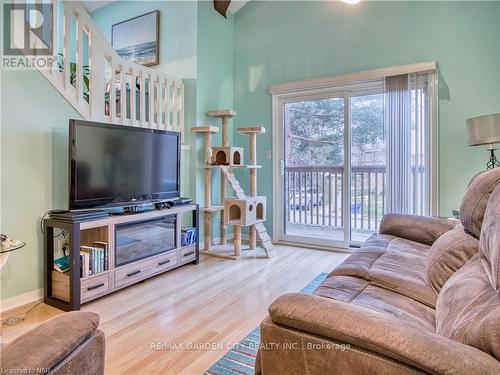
x=217 y=301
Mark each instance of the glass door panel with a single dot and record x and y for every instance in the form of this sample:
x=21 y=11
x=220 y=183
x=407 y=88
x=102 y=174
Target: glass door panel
x=313 y=171
x=368 y=165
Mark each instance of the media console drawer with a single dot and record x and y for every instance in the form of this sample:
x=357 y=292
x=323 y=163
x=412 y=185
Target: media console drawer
x=94 y=286
x=132 y=273
x=188 y=254
x=164 y=262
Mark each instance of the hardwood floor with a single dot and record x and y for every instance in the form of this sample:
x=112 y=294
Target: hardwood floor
x=215 y=302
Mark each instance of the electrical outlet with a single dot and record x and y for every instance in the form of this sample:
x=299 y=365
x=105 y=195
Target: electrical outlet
x=269 y=154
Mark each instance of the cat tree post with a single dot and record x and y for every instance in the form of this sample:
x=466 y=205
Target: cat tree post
x=224 y=115
x=252 y=134
x=207 y=131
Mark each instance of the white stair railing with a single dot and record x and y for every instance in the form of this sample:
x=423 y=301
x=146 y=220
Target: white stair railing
x=106 y=87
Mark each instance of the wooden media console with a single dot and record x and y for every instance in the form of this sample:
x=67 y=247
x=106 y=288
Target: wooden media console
x=136 y=247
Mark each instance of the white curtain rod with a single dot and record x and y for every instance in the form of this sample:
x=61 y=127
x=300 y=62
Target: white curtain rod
x=368 y=75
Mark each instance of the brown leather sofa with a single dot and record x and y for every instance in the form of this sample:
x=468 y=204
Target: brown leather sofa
x=68 y=344
x=420 y=297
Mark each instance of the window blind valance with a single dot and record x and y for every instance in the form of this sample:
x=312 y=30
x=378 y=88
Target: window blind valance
x=350 y=78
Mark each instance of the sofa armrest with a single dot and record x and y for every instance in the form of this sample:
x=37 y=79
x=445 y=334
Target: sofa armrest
x=423 y=229
x=380 y=333
x=48 y=344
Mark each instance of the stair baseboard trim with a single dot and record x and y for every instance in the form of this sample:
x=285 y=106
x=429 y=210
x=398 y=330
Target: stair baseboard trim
x=20 y=300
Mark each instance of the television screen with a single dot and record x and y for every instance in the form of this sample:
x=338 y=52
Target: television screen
x=117 y=164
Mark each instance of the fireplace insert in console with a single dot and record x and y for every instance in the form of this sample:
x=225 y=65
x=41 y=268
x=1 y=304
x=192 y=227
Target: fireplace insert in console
x=142 y=239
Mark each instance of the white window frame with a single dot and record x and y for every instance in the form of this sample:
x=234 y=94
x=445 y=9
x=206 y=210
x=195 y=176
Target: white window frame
x=344 y=85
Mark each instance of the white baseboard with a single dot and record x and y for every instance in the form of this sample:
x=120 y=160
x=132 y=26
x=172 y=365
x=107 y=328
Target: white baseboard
x=20 y=300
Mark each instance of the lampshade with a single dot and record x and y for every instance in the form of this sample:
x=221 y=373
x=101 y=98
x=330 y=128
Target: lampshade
x=484 y=129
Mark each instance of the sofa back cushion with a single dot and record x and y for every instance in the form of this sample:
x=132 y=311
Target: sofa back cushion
x=475 y=199
x=489 y=244
x=468 y=309
x=447 y=255
x=468 y=305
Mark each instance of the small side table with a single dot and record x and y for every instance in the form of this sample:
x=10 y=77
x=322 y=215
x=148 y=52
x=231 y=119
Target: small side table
x=4 y=253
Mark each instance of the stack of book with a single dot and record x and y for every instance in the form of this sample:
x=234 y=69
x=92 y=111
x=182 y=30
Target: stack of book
x=94 y=259
x=188 y=236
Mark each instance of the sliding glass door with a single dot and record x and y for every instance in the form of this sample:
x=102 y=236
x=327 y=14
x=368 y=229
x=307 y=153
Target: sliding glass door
x=332 y=167
x=347 y=155
x=313 y=165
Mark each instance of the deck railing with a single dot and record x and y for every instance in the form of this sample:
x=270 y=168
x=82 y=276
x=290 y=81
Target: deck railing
x=314 y=195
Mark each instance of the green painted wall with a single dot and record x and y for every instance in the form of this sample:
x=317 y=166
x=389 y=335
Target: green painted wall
x=214 y=86
x=34 y=157
x=278 y=42
x=177 y=30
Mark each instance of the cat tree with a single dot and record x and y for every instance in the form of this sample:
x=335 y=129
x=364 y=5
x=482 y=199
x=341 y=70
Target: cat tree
x=240 y=210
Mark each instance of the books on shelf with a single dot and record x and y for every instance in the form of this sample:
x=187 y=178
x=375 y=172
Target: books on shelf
x=188 y=236
x=94 y=259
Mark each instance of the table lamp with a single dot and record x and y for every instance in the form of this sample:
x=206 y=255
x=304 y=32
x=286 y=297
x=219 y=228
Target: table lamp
x=485 y=130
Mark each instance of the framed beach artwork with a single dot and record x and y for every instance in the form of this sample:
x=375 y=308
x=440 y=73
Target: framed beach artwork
x=137 y=39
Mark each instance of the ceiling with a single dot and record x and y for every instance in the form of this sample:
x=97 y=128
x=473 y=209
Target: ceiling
x=94 y=5
x=236 y=5
x=91 y=6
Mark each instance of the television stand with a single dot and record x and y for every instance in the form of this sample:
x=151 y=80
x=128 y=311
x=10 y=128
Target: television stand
x=134 y=247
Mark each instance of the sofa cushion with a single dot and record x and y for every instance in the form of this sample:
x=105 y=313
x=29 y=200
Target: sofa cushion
x=46 y=345
x=423 y=229
x=447 y=255
x=468 y=308
x=489 y=246
x=392 y=263
x=341 y=288
x=474 y=202
x=362 y=293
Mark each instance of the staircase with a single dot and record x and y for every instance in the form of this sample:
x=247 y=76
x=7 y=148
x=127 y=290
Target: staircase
x=101 y=85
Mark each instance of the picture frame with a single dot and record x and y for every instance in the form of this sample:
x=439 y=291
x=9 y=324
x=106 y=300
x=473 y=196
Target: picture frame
x=138 y=39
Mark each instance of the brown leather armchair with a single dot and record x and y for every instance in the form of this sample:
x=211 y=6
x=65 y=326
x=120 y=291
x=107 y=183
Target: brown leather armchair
x=67 y=344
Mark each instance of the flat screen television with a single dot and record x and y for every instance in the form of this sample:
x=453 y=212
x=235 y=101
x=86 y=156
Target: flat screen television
x=117 y=165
